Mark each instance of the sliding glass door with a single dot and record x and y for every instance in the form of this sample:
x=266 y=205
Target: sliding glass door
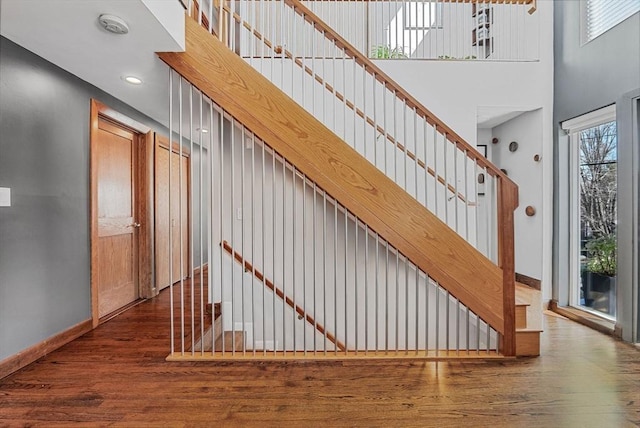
x=598 y=214
x=594 y=152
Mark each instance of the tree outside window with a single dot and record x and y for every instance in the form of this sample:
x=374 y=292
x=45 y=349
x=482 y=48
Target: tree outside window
x=598 y=185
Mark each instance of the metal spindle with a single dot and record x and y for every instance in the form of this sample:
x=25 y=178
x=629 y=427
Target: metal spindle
x=304 y=258
x=355 y=272
x=386 y=306
x=335 y=269
x=242 y=226
x=417 y=287
x=233 y=236
x=397 y=288
x=284 y=258
x=324 y=268
x=346 y=271
x=172 y=324
x=200 y=224
x=180 y=134
x=273 y=246
x=437 y=319
x=294 y=252
x=447 y=311
x=406 y=306
x=315 y=297
x=221 y=217
x=427 y=285
x=212 y=213
x=366 y=288
x=253 y=243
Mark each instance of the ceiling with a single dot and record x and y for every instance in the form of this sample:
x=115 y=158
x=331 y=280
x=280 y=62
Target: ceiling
x=490 y=117
x=67 y=33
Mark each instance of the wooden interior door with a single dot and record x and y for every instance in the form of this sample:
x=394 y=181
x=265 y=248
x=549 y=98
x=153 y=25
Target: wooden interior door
x=117 y=257
x=171 y=219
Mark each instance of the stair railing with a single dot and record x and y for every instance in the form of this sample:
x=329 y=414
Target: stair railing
x=349 y=94
x=459 y=30
x=307 y=277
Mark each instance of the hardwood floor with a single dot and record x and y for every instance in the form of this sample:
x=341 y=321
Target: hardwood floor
x=117 y=375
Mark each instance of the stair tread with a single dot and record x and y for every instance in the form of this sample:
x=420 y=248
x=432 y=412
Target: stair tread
x=531 y=299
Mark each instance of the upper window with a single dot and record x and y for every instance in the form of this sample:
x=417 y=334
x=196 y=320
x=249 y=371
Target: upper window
x=599 y=16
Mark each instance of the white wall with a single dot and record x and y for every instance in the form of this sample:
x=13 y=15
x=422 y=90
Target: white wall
x=526 y=130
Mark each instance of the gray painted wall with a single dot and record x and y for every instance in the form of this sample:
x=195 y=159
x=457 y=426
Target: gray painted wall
x=586 y=78
x=44 y=159
x=628 y=121
x=597 y=74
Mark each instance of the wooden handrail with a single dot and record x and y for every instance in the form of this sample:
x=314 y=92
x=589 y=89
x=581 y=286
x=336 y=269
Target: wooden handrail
x=270 y=285
x=342 y=172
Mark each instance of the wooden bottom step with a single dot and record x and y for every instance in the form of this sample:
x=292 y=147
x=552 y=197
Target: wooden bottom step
x=528 y=343
x=228 y=341
x=521 y=316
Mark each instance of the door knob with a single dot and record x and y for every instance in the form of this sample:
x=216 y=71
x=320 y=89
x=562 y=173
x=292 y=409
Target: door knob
x=136 y=224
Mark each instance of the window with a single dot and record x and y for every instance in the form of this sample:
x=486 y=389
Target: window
x=599 y=16
x=422 y=16
x=594 y=190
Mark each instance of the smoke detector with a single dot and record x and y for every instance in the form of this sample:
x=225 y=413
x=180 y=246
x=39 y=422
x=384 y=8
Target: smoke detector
x=113 y=24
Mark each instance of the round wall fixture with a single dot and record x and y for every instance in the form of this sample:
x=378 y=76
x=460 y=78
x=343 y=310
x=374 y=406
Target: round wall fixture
x=495 y=140
x=530 y=211
x=513 y=146
x=537 y=158
x=113 y=24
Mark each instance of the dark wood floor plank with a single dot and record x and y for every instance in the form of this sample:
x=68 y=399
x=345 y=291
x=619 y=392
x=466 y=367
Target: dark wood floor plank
x=117 y=375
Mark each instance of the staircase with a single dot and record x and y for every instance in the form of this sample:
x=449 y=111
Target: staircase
x=412 y=192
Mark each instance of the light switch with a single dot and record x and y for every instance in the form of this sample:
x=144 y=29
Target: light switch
x=5 y=197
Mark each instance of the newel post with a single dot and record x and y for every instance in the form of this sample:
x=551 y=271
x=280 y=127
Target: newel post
x=507 y=203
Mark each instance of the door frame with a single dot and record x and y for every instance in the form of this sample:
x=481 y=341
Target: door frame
x=573 y=127
x=144 y=185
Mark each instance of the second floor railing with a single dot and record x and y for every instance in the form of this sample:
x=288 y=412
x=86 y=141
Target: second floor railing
x=435 y=29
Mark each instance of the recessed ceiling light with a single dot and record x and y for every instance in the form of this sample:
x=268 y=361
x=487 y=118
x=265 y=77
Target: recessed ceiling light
x=113 y=24
x=203 y=130
x=133 y=80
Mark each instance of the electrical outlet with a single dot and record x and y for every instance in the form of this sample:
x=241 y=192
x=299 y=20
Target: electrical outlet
x=5 y=197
